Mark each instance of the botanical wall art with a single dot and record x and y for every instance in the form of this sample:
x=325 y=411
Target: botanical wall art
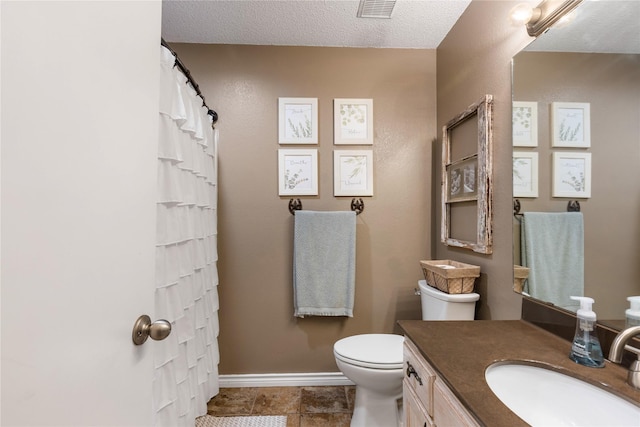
x=525 y=124
x=571 y=175
x=570 y=124
x=353 y=121
x=525 y=174
x=297 y=172
x=468 y=180
x=463 y=184
x=353 y=173
x=298 y=120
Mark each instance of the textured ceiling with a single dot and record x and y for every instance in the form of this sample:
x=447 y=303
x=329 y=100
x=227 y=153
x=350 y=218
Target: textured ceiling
x=598 y=25
x=413 y=24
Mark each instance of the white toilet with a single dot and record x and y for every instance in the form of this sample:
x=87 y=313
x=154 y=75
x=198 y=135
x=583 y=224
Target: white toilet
x=374 y=361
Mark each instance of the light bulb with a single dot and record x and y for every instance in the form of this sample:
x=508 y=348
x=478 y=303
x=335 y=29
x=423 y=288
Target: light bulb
x=523 y=13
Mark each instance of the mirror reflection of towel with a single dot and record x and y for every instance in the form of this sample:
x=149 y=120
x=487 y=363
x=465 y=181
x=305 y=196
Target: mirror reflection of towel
x=324 y=259
x=552 y=246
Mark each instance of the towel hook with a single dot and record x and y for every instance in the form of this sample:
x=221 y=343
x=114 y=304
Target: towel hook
x=295 y=205
x=357 y=206
x=573 y=206
x=516 y=207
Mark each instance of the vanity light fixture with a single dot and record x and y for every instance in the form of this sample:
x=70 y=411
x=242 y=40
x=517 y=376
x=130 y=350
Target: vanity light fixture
x=375 y=8
x=540 y=18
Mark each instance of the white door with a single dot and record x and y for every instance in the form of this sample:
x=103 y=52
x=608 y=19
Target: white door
x=78 y=173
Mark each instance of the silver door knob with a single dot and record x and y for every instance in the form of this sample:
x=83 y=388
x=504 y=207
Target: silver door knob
x=143 y=329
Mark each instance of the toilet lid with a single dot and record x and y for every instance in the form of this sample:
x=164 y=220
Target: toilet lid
x=381 y=351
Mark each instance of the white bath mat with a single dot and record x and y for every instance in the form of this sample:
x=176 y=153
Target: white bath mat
x=252 y=421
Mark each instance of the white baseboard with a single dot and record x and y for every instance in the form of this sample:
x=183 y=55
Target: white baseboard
x=284 y=380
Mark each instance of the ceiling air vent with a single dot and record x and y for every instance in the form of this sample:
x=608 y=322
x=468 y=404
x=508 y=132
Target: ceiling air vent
x=375 y=8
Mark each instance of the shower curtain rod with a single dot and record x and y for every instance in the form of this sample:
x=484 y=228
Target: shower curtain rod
x=187 y=73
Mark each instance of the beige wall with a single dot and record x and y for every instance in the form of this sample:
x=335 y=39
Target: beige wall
x=611 y=84
x=473 y=60
x=400 y=224
x=258 y=333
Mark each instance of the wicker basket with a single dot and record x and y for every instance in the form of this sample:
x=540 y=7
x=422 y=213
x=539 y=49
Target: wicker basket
x=520 y=274
x=452 y=277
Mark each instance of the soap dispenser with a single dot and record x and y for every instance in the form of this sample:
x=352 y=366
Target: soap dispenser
x=586 y=349
x=632 y=314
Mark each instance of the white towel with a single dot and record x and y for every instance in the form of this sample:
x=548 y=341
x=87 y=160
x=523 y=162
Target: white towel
x=324 y=258
x=552 y=246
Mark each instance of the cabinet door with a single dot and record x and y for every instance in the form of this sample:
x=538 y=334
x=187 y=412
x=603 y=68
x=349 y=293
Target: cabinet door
x=415 y=415
x=447 y=409
x=419 y=376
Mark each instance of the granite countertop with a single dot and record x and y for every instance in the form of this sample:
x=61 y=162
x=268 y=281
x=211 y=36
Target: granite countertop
x=460 y=351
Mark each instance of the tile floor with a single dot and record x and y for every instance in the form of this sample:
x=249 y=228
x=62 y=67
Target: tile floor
x=326 y=406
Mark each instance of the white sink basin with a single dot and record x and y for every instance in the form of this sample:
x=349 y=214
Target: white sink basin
x=543 y=397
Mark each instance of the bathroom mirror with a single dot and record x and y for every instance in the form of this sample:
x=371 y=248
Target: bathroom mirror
x=592 y=62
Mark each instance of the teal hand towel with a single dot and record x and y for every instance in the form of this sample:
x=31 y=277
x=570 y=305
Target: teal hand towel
x=324 y=258
x=552 y=246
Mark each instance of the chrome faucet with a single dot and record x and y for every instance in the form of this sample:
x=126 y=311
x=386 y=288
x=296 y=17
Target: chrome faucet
x=617 y=349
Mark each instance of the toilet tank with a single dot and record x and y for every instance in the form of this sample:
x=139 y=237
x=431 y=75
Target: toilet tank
x=438 y=305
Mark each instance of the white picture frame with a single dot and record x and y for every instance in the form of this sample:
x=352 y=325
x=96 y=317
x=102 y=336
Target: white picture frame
x=298 y=172
x=298 y=120
x=571 y=124
x=571 y=175
x=525 y=174
x=525 y=124
x=353 y=173
x=352 y=121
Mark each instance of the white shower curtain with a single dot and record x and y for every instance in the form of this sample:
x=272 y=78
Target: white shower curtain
x=186 y=362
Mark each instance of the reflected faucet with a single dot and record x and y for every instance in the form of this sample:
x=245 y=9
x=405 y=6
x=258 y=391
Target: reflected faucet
x=617 y=349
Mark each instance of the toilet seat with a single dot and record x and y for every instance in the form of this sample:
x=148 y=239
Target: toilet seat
x=375 y=351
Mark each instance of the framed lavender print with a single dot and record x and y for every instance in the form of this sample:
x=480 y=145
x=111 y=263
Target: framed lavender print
x=297 y=120
x=353 y=173
x=570 y=124
x=571 y=175
x=353 y=121
x=297 y=172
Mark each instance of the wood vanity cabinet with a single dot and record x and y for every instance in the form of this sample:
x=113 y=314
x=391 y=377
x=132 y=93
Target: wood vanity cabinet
x=427 y=401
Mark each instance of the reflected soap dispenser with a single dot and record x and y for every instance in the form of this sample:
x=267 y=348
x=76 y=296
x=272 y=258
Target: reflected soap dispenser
x=586 y=349
x=632 y=314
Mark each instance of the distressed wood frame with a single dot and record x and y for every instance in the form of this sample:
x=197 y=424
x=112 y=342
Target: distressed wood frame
x=483 y=110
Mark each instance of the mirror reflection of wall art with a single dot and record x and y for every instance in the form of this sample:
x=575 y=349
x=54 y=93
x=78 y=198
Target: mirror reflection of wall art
x=463 y=180
x=571 y=175
x=571 y=124
x=353 y=121
x=525 y=174
x=298 y=120
x=525 y=124
x=353 y=173
x=297 y=172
